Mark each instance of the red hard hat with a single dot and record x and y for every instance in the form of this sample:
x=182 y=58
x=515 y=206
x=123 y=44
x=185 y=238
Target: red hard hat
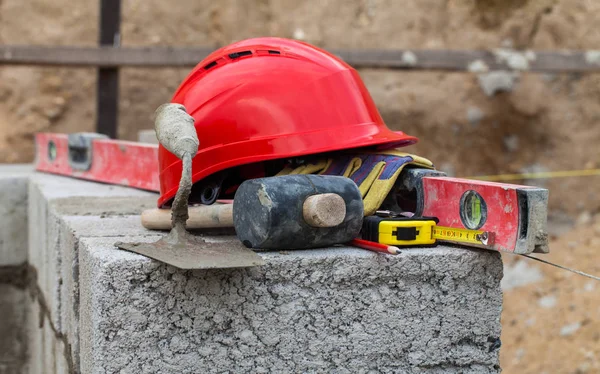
x=271 y=98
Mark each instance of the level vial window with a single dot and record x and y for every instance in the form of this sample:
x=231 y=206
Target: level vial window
x=473 y=210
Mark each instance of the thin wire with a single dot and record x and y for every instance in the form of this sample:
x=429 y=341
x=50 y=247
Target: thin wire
x=539 y=175
x=564 y=268
x=544 y=175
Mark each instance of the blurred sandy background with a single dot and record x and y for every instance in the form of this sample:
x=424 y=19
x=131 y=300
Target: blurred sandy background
x=543 y=122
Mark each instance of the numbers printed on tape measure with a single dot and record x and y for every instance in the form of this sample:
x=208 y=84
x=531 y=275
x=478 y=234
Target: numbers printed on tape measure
x=460 y=235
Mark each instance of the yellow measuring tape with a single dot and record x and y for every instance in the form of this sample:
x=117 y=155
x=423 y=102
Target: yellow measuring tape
x=460 y=235
x=419 y=231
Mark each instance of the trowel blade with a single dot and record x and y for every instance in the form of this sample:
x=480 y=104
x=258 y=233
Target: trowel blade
x=196 y=253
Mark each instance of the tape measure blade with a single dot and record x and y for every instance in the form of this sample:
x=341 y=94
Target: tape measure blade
x=463 y=236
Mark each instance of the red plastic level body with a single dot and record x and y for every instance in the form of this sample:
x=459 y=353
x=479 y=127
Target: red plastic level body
x=112 y=161
x=514 y=214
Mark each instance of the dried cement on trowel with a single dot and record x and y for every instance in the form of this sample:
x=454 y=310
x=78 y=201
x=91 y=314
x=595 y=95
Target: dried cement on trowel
x=175 y=129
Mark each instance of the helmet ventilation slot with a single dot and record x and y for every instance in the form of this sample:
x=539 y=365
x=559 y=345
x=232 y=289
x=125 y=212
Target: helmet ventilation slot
x=239 y=54
x=211 y=65
x=272 y=52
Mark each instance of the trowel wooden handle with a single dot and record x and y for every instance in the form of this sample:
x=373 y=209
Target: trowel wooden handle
x=322 y=210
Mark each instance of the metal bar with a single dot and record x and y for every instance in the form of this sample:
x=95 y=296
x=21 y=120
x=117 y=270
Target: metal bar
x=445 y=60
x=102 y=56
x=107 y=96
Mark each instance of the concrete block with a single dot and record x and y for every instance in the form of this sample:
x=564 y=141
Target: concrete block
x=98 y=226
x=55 y=187
x=13 y=254
x=13 y=332
x=332 y=310
x=73 y=229
x=53 y=242
x=13 y=214
x=15 y=170
x=42 y=249
x=338 y=310
x=48 y=350
x=103 y=206
x=147 y=136
x=49 y=199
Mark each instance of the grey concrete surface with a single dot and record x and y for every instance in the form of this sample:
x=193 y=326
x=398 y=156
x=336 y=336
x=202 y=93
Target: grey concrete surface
x=50 y=198
x=13 y=214
x=73 y=229
x=147 y=136
x=13 y=332
x=47 y=348
x=13 y=254
x=336 y=310
x=62 y=210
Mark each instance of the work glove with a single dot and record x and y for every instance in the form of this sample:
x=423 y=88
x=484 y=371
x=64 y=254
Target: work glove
x=374 y=172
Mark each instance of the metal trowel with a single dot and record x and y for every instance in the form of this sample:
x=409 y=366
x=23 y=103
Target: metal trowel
x=175 y=131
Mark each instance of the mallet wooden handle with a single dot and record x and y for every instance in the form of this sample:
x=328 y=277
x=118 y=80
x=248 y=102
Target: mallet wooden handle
x=322 y=210
x=201 y=216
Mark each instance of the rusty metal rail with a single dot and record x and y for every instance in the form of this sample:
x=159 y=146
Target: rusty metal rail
x=444 y=60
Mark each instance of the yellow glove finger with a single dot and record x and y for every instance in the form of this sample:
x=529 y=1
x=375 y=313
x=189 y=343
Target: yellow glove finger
x=353 y=166
x=379 y=190
x=421 y=161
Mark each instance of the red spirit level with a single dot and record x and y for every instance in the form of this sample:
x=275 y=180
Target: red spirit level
x=496 y=216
